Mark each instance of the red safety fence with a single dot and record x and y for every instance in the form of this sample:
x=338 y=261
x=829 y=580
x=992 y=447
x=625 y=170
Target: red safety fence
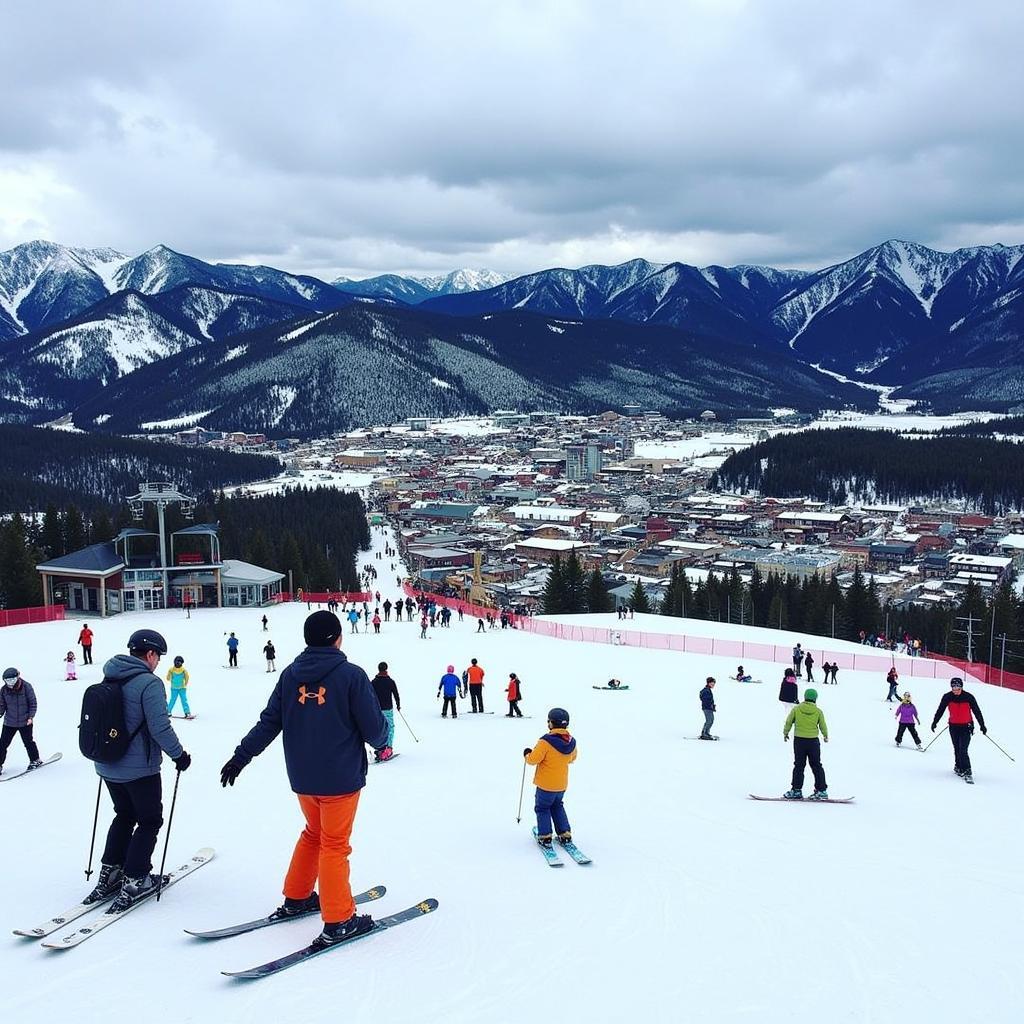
x=322 y=597
x=872 y=660
x=23 y=616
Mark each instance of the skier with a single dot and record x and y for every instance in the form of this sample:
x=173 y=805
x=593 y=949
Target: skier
x=177 y=676
x=707 y=704
x=826 y=669
x=85 y=639
x=450 y=684
x=892 y=679
x=232 y=651
x=423 y=626
x=387 y=609
x=264 y=621
x=788 y=692
x=18 y=705
x=809 y=666
x=353 y=619
x=270 y=653
x=376 y=621
x=475 y=677
x=133 y=781
x=327 y=712
x=961 y=706
x=69 y=667
x=386 y=690
x=807 y=719
x=798 y=659
x=552 y=755
x=514 y=694
x=907 y=715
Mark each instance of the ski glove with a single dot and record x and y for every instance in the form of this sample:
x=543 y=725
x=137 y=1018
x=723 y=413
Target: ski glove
x=984 y=731
x=230 y=772
x=182 y=761
x=527 y=751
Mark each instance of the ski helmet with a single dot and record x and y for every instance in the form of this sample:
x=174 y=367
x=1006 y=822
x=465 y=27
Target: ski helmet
x=147 y=640
x=811 y=695
x=559 y=718
x=956 y=681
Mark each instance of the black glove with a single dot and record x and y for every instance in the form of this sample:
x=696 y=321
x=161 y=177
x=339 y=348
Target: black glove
x=182 y=761
x=527 y=750
x=984 y=731
x=230 y=772
x=933 y=727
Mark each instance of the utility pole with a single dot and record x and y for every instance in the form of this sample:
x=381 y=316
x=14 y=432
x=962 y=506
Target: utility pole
x=970 y=620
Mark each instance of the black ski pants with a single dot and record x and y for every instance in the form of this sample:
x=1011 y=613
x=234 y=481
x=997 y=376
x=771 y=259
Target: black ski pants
x=86 y=654
x=138 y=815
x=805 y=750
x=513 y=709
x=7 y=734
x=476 y=696
x=444 y=708
x=232 y=658
x=961 y=737
x=907 y=727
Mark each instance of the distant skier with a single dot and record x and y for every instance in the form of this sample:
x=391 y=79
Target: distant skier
x=424 y=622
x=450 y=685
x=18 y=705
x=961 y=706
x=892 y=679
x=798 y=660
x=906 y=715
x=614 y=684
x=353 y=620
x=85 y=639
x=514 y=694
x=70 y=673
x=387 y=693
x=742 y=676
x=232 y=651
x=376 y=621
x=826 y=671
x=270 y=653
x=264 y=621
x=809 y=666
x=177 y=676
x=475 y=677
x=788 y=691
x=808 y=720
x=552 y=755
x=707 y=705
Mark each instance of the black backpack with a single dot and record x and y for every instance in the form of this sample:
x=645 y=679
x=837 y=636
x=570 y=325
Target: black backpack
x=102 y=733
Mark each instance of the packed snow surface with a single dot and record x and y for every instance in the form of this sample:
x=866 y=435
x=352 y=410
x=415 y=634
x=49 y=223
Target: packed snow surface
x=700 y=905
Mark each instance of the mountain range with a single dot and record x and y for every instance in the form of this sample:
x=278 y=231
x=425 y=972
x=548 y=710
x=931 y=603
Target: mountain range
x=81 y=329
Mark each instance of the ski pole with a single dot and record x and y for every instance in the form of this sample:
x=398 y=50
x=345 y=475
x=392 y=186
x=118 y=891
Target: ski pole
x=95 y=819
x=522 y=786
x=935 y=737
x=999 y=748
x=408 y=726
x=167 y=838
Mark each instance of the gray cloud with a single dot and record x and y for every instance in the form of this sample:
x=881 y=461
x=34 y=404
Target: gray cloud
x=327 y=137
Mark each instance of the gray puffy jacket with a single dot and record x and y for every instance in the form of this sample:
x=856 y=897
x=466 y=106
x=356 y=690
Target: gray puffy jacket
x=145 y=701
x=17 y=705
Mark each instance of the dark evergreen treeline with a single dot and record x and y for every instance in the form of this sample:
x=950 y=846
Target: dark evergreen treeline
x=986 y=428
x=570 y=590
x=314 y=533
x=40 y=467
x=849 y=464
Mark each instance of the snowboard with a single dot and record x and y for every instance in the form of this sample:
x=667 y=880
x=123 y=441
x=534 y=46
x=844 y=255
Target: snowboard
x=782 y=799
x=615 y=688
x=8 y=776
x=698 y=738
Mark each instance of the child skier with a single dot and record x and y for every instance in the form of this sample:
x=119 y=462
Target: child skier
x=69 y=667
x=892 y=679
x=514 y=694
x=18 y=706
x=907 y=715
x=808 y=719
x=177 y=676
x=450 y=684
x=554 y=752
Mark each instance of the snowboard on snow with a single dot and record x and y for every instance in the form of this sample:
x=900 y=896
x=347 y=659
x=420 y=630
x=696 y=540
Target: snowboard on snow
x=611 y=688
x=8 y=776
x=782 y=799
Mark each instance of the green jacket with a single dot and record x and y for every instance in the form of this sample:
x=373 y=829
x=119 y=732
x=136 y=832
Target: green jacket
x=808 y=719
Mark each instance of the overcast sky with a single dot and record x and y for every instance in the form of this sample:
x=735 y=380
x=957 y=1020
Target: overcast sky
x=355 y=138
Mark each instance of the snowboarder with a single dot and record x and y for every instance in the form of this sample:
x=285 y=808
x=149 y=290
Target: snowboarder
x=614 y=684
x=742 y=676
x=18 y=705
x=475 y=677
x=85 y=639
x=798 y=659
x=552 y=755
x=327 y=712
x=450 y=684
x=386 y=690
x=232 y=651
x=177 y=676
x=707 y=705
x=809 y=666
x=907 y=715
x=807 y=719
x=270 y=653
x=892 y=679
x=961 y=706
x=69 y=667
x=133 y=781
x=514 y=694
x=788 y=692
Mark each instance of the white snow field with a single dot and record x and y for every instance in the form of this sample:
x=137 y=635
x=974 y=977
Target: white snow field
x=700 y=904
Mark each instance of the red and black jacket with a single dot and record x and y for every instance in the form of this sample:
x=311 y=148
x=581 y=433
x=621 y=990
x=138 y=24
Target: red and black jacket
x=961 y=705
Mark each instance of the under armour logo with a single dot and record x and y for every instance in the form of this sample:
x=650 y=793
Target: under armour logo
x=319 y=695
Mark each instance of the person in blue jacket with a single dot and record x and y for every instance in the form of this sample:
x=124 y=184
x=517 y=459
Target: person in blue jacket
x=326 y=711
x=450 y=683
x=232 y=651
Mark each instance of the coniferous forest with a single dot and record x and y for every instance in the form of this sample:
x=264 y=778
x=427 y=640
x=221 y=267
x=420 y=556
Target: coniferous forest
x=848 y=464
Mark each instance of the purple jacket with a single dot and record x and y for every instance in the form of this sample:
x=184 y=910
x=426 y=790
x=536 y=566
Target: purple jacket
x=907 y=714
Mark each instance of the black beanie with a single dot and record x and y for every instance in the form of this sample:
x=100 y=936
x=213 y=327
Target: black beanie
x=321 y=629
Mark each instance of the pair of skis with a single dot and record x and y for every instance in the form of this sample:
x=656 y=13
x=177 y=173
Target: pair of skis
x=551 y=855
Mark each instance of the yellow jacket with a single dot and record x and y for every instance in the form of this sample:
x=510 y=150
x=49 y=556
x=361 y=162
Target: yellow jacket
x=552 y=755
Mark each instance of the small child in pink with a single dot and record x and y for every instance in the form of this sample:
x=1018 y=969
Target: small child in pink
x=69 y=666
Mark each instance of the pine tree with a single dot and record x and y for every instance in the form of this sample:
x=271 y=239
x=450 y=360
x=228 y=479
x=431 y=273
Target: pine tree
x=598 y=598
x=574 y=584
x=638 y=600
x=75 y=536
x=51 y=537
x=553 y=600
x=100 y=528
x=20 y=585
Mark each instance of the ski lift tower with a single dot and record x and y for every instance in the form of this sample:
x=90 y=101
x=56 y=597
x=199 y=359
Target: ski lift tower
x=161 y=494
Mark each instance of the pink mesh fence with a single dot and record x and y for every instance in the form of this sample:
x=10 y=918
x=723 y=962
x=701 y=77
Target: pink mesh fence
x=22 y=616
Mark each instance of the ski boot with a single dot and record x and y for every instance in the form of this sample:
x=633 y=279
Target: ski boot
x=793 y=794
x=968 y=778
x=339 y=931
x=293 y=907
x=565 y=838
x=108 y=883
x=544 y=841
x=819 y=794
x=135 y=889
x=959 y=772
